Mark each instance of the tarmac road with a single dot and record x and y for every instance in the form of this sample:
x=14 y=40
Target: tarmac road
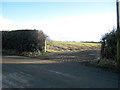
x=24 y=72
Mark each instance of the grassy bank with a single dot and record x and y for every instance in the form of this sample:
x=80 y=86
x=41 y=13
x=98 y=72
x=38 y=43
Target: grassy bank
x=104 y=63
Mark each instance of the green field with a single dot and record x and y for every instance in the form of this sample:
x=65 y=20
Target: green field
x=60 y=46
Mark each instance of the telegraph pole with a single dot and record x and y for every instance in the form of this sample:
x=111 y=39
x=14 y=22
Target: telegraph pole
x=118 y=31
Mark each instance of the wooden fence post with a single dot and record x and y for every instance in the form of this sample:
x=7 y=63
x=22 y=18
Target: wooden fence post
x=44 y=46
x=102 y=49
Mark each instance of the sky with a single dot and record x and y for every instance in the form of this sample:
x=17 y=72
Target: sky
x=61 y=21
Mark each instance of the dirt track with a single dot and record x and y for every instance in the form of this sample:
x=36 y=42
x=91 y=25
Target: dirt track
x=60 y=71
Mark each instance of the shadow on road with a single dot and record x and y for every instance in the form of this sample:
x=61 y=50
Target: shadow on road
x=81 y=56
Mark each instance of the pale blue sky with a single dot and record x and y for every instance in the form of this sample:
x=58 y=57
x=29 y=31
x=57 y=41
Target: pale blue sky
x=50 y=16
x=32 y=11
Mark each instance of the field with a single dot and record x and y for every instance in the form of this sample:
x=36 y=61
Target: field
x=60 y=51
x=87 y=53
x=68 y=51
x=60 y=46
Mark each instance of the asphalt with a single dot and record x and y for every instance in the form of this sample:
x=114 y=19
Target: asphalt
x=24 y=72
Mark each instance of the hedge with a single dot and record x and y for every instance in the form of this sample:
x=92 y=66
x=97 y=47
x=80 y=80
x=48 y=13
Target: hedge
x=109 y=45
x=23 y=40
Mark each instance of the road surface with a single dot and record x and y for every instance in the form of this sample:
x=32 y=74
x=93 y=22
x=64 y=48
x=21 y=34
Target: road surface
x=24 y=72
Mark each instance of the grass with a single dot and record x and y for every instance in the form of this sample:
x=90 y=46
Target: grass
x=57 y=47
x=60 y=46
x=104 y=63
x=54 y=47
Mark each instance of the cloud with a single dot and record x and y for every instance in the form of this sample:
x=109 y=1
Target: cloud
x=5 y=23
x=74 y=28
x=87 y=27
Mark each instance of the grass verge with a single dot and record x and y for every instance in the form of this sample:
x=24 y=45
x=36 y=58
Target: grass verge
x=104 y=63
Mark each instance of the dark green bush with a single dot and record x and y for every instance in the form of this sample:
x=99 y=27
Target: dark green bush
x=23 y=40
x=109 y=45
